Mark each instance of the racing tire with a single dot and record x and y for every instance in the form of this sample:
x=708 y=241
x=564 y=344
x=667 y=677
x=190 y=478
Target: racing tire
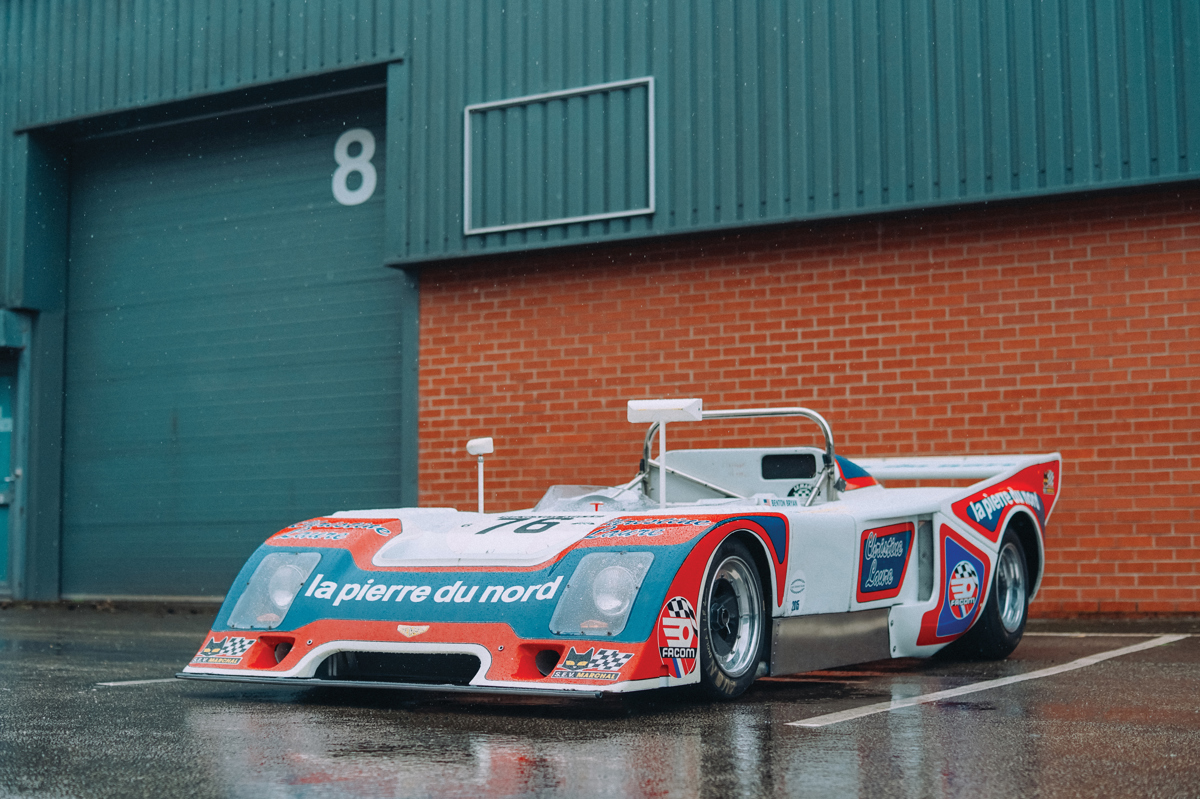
x=1001 y=623
x=732 y=623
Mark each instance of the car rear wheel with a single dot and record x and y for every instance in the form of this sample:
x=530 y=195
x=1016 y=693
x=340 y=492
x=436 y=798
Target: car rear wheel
x=732 y=623
x=1002 y=622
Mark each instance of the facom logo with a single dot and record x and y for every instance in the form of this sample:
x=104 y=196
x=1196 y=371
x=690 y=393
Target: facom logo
x=963 y=590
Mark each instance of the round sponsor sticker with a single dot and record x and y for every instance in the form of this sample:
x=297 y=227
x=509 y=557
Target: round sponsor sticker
x=963 y=589
x=795 y=602
x=678 y=636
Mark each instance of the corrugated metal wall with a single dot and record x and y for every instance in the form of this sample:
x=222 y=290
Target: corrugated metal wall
x=766 y=111
x=64 y=59
x=773 y=111
x=69 y=58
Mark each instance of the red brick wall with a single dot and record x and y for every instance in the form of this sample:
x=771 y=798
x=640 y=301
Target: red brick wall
x=1070 y=325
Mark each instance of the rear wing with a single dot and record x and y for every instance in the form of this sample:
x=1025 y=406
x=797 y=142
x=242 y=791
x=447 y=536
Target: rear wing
x=967 y=467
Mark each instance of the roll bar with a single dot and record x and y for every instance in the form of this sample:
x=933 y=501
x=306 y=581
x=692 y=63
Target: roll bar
x=828 y=472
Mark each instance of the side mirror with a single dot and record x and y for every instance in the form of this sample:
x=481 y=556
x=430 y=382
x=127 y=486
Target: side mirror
x=659 y=412
x=480 y=447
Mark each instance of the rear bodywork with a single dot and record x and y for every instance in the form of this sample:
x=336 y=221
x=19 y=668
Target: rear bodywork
x=521 y=602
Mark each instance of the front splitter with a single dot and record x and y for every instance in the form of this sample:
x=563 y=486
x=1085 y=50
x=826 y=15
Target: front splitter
x=311 y=682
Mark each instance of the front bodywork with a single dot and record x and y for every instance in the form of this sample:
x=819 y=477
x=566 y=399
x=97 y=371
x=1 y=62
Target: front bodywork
x=501 y=615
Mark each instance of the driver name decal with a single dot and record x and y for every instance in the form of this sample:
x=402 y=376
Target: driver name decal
x=883 y=561
x=630 y=528
x=333 y=530
x=649 y=530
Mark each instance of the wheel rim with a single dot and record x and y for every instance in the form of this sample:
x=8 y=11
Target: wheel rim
x=1010 y=588
x=735 y=616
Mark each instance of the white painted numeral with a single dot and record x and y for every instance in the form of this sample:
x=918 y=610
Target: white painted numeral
x=360 y=163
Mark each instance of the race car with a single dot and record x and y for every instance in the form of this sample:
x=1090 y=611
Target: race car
x=710 y=568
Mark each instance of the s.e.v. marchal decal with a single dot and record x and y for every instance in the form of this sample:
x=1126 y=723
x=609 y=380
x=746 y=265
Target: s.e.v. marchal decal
x=225 y=652
x=593 y=664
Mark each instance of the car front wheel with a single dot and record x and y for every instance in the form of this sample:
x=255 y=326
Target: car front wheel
x=732 y=623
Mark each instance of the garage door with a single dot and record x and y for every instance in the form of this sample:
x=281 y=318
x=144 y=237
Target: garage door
x=233 y=344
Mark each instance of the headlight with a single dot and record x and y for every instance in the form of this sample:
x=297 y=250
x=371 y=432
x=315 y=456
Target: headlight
x=271 y=590
x=600 y=593
x=285 y=584
x=614 y=590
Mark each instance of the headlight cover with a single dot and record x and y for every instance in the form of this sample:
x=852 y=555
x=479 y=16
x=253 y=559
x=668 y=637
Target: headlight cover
x=600 y=593
x=271 y=590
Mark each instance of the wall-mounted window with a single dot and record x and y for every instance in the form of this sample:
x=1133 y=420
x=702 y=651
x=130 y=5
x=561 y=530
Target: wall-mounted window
x=578 y=155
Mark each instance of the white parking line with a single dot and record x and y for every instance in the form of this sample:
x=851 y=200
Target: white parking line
x=136 y=682
x=937 y=696
x=62 y=632
x=1093 y=635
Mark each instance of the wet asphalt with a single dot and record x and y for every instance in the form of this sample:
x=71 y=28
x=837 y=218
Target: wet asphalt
x=1127 y=726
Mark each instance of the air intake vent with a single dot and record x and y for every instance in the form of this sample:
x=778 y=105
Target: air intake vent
x=426 y=669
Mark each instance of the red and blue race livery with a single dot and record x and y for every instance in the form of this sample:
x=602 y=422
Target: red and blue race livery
x=765 y=561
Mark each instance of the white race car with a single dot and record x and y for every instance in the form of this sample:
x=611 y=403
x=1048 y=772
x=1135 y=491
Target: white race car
x=711 y=567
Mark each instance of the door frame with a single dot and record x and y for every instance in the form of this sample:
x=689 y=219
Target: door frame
x=15 y=334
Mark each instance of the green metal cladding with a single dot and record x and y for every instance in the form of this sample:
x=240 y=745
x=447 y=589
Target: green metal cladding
x=763 y=111
x=775 y=111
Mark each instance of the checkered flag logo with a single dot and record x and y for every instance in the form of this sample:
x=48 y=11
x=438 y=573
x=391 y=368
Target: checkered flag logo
x=609 y=660
x=964 y=582
x=680 y=608
x=964 y=590
x=236 y=647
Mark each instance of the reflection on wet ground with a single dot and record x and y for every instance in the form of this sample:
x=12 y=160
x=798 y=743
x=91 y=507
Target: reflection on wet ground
x=1130 y=725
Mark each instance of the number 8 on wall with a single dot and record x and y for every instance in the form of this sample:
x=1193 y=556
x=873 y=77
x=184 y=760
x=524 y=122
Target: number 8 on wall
x=360 y=163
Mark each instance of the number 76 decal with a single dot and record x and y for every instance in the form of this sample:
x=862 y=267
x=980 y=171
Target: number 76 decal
x=360 y=163
x=533 y=525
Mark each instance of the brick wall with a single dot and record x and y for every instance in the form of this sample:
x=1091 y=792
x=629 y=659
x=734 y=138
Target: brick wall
x=1068 y=325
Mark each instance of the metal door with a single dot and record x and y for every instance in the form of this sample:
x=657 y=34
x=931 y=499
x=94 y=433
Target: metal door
x=233 y=344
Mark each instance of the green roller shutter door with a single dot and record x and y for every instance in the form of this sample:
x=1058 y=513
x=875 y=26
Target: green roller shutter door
x=234 y=347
